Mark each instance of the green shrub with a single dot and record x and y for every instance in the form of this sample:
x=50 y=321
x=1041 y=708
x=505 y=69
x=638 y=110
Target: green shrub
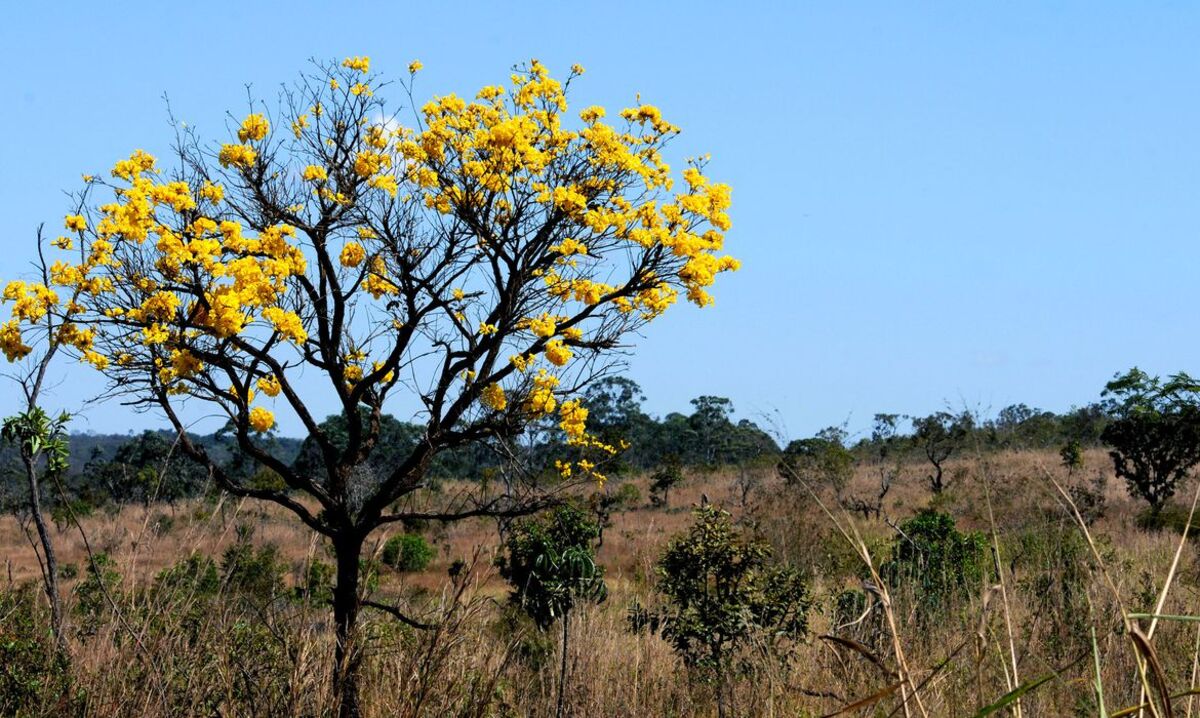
x=33 y=675
x=407 y=552
x=93 y=592
x=936 y=560
x=255 y=574
x=724 y=594
x=197 y=575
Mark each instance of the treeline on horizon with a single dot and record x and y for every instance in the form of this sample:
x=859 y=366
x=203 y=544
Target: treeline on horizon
x=145 y=467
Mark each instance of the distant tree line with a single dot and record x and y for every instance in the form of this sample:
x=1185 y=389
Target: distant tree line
x=148 y=467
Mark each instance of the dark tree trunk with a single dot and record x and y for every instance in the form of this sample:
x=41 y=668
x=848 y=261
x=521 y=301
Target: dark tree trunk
x=51 y=584
x=345 y=616
x=935 y=479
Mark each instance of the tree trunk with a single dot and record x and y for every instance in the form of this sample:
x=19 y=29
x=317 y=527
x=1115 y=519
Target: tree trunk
x=51 y=583
x=345 y=616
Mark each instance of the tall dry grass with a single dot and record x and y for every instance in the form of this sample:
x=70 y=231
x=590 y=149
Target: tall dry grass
x=1063 y=572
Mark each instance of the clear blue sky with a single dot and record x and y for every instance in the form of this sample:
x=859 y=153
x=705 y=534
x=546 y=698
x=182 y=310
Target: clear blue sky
x=932 y=202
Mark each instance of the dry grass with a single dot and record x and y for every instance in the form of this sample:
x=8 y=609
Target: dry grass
x=159 y=656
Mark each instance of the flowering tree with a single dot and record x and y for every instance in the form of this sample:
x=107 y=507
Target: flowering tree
x=483 y=264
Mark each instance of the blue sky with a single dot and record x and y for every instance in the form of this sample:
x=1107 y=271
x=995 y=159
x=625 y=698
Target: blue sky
x=933 y=203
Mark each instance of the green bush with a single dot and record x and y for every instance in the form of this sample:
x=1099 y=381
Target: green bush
x=93 y=592
x=254 y=574
x=196 y=575
x=936 y=560
x=725 y=594
x=407 y=552
x=33 y=675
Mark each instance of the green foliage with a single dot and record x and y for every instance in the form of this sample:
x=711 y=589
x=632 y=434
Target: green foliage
x=33 y=675
x=822 y=460
x=92 y=594
x=722 y=592
x=1054 y=562
x=318 y=582
x=407 y=552
x=255 y=574
x=196 y=575
x=61 y=512
x=551 y=566
x=668 y=475
x=1155 y=434
x=939 y=436
x=1071 y=454
x=937 y=561
x=40 y=437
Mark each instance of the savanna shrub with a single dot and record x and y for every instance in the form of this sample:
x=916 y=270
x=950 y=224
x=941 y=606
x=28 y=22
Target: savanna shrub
x=196 y=575
x=723 y=593
x=937 y=561
x=94 y=591
x=407 y=552
x=33 y=675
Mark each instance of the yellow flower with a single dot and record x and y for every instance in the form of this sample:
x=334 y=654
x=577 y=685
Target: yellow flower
x=493 y=397
x=299 y=124
x=237 y=156
x=353 y=254
x=543 y=326
x=362 y=64
x=254 y=128
x=541 y=398
x=315 y=173
x=414 y=67
x=574 y=418
x=76 y=222
x=10 y=341
x=286 y=323
x=212 y=192
x=387 y=183
x=556 y=353
x=269 y=385
x=261 y=420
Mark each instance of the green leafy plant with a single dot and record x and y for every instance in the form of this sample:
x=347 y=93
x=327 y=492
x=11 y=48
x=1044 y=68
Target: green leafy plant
x=722 y=593
x=935 y=559
x=407 y=552
x=551 y=566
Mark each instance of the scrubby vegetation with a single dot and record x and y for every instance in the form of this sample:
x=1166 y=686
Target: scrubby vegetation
x=761 y=587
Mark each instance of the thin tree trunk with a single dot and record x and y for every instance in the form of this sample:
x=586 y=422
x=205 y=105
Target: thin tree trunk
x=347 y=657
x=51 y=583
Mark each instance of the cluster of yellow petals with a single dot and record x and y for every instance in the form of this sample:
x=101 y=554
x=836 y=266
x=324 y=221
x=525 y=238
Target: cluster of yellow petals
x=261 y=420
x=493 y=397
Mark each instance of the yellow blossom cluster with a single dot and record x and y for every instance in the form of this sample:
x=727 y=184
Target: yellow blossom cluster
x=493 y=397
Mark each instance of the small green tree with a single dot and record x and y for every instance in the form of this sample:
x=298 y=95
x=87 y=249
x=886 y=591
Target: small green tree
x=722 y=592
x=821 y=460
x=42 y=444
x=939 y=436
x=667 y=476
x=1154 y=437
x=551 y=566
x=937 y=560
x=605 y=502
x=407 y=553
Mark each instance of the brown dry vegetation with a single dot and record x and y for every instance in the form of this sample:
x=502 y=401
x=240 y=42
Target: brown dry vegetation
x=157 y=654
